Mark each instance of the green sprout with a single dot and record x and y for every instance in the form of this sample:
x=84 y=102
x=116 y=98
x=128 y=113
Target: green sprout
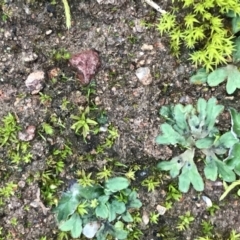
x=184 y=221
x=83 y=123
x=150 y=183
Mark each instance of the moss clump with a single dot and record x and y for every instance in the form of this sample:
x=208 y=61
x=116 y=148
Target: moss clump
x=202 y=25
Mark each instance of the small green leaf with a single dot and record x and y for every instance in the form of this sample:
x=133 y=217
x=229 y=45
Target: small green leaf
x=73 y=224
x=103 y=232
x=102 y=211
x=91 y=192
x=169 y=136
x=233 y=160
x=119 y=207
x=103 y=199
x=226 y=173
x=119 y=232
x=183 y=183
x=217 y=76
x=67 y=13
x=200 y=77
x=227 y=140
x=230 y=72
x=127 y=217
x=236 y=52
x=235 y=116
x=223 y=169
x=174 y=166
x=210 y=169
x=116 y=184
x=112 y=213
x=91 y=122
x=180 y=114
x=236 y=24
x=191 y=175
x=229 y=188
x=68 y=203
x=204 y=143
x=213 y=110
x=133 y=202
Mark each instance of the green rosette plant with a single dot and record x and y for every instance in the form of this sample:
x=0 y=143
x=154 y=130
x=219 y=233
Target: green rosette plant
x=233 y=159
x=194 y=128
x=97 y=210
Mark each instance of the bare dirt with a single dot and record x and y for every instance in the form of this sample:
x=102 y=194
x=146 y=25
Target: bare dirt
x=38 y=29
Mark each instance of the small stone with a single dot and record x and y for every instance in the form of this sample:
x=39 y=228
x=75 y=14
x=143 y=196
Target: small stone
x=103 y=129
x=138 y=28
x=35 y=81
x=97 y=101
x=146 y=47
x=7 y=34
x=48 y=32
x=53 y=73
x=90 y=229
x=207 y=200
x=30 y=57
x=161 y=210
x=145 y=218
x=21 y=184
x=144 y=76
x=28 y=134
x=86 y=65
x=34 y=204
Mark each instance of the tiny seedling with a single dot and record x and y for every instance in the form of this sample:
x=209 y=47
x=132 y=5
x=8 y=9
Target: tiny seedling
x=8 y=190
x=14 y=221
x=47 y=129
x=44 y=98
x=234 y=235
x=150 y=183
x=65 y=104
x=207 y=228
x=97 y=210
x=105 y=173
x=212 y=210
x=83 y=123
x=154 y=217
x=194 y=128
x=85 y=179
x=8 y=130
x=184 y=221
x=173 y=193
x=61 y=55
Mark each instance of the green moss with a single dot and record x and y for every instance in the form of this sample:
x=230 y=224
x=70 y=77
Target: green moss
x=202 y=25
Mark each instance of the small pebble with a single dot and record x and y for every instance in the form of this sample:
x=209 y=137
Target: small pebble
x=146 y=47
x=145 y=218
x=161 y=210
x=30 y=57
x=207 y=200
x=144 y=76
x=48 y=32
x=90 y=229
x=35 y=81
x=28 y=134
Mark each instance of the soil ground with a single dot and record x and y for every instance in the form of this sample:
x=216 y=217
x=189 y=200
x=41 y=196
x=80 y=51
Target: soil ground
x=124 y=45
